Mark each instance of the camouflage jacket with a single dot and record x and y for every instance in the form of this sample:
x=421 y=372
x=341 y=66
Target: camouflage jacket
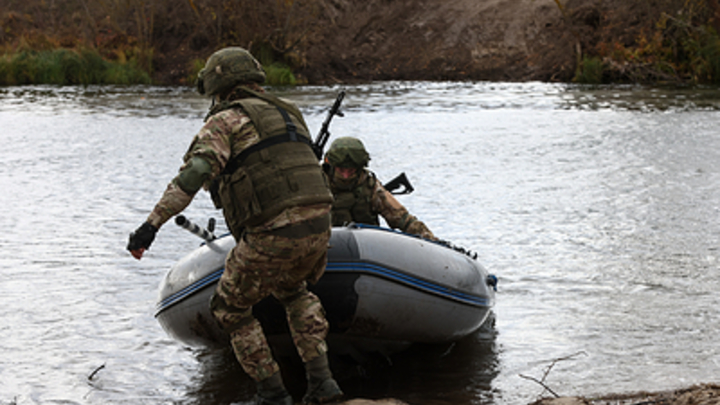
x=227 y=131
x=384 y=204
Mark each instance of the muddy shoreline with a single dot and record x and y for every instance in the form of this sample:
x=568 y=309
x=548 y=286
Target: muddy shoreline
x=344 y=41
x=701 y=394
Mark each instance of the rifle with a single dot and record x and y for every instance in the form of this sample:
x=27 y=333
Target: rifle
x=324 y=134
x=399 y=180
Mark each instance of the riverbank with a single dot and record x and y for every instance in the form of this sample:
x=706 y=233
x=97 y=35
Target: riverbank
x=343 y=41
x=703 y=394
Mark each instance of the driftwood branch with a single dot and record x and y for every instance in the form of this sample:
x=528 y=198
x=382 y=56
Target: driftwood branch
x=638 y=72
x=541 y=383
x=90 y=377
x=547 y=372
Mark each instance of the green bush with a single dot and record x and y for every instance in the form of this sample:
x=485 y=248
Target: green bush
x=60 y=66
x=709 y=53
x=195 y=67
x=124 y=74
x=4 y=69
x=67 y=67
x=591 y=71
x=279 y=75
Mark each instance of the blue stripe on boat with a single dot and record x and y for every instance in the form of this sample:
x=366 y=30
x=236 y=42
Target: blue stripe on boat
x=173 y=299
x=345 y=267
x=410 y=281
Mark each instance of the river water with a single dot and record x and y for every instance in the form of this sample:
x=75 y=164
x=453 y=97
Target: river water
x=596 y=207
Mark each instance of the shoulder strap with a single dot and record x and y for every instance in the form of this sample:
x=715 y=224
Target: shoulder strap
x=226 y=105
x=290 y=136
x=277 y=102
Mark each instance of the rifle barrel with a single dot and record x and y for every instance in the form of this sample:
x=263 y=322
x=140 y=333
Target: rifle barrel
x=322 y=137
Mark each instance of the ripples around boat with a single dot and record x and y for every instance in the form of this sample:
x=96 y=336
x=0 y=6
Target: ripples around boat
x=595 y=206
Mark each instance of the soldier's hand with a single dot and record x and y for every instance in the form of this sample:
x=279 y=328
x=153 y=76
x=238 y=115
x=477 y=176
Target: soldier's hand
x=141 y=239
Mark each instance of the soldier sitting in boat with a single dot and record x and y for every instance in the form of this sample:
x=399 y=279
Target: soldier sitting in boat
x=359 y=195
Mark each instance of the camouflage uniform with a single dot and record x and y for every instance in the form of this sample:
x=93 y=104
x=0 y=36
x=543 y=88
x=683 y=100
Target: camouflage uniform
x=261 y=263
x=370 y=197
x=255 y=156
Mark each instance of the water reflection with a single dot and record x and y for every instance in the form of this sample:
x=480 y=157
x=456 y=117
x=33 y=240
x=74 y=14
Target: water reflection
x=149 y=101
x=138 y=101
x=458 y=373
x=596 y=207
x=219 y=380
x=641 y=98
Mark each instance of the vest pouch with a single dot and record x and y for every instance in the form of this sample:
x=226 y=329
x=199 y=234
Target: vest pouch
x=341 y=214
x=238 y=200
x=362 y=210
x=355 y=205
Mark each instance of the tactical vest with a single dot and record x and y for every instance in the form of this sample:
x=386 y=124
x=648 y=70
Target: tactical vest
x=279 y=172
x=355 y=204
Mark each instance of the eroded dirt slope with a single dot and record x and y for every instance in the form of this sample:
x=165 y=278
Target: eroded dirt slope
x=514 y=40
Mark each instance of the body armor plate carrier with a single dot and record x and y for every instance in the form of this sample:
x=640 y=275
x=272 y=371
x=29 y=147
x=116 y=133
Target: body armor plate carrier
x=279 y=172
x=354 y=204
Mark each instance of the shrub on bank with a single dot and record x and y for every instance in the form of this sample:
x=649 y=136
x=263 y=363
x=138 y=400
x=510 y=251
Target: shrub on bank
x=67 y=67
x=279 y=75
x=590 y=71
x=679 y=50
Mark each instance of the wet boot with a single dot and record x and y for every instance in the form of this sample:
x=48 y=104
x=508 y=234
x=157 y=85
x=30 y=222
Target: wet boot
x=322 y=388
x=271 y=391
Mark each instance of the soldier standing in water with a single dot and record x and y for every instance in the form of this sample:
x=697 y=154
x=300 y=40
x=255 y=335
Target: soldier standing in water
x=254 y=155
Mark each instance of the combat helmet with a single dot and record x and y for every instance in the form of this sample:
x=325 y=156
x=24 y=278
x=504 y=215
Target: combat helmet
x=348 y=152
x=226 y=69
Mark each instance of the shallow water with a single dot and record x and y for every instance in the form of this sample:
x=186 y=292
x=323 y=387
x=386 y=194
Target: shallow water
x=596 y=207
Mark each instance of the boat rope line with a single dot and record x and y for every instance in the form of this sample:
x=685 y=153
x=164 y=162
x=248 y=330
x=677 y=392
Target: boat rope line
x=344 y=267
x=198 y=285
x=408 y=280
x=444 y=243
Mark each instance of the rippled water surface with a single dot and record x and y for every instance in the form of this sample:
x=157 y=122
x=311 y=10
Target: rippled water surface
x=597 y=208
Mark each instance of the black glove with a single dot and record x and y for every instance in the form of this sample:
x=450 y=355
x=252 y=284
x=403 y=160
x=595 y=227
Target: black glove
x=142 y=238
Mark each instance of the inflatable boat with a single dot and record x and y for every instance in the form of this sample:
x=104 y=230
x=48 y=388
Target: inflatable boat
x=382 y=291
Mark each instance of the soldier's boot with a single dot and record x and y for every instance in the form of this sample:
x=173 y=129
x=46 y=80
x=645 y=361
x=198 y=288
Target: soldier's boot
x=322 y=387
x=271 y=391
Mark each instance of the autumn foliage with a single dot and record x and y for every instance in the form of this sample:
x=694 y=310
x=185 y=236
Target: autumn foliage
x=145 y=33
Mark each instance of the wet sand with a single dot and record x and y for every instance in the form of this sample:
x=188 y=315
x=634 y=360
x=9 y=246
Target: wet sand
x=702 y=394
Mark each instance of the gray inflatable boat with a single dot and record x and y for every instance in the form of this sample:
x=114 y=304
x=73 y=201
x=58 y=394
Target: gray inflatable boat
x=382 y=291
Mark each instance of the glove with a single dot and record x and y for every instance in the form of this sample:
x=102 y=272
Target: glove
x=141 y=239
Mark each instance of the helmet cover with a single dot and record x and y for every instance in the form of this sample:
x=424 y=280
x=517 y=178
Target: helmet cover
x=348 y=152
x=228 y=68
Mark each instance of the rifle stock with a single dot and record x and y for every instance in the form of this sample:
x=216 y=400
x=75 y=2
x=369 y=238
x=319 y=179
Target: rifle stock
x=400 y=180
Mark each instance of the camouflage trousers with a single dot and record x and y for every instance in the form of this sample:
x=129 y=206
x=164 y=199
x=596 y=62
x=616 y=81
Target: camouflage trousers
x=260 y=265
